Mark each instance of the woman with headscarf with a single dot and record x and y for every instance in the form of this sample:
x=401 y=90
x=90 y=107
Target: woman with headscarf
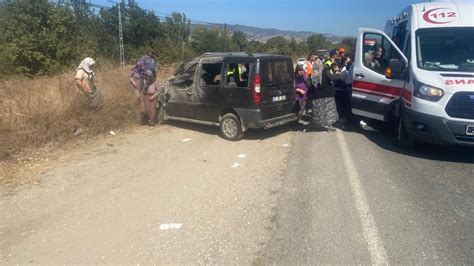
x=149 y=98
x=85 y=82
x=324 y=106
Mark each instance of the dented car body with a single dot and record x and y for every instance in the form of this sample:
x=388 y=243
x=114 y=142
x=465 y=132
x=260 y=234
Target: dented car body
x=234 y=91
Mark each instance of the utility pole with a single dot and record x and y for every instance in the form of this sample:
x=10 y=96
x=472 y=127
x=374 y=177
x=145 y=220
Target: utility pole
x=225 y=37
x=122 y=52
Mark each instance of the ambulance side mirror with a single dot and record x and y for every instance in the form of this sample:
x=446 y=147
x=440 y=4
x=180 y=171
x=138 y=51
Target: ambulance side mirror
x=396 y=70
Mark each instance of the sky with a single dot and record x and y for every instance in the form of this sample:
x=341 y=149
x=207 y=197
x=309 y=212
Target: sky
x=338 y=17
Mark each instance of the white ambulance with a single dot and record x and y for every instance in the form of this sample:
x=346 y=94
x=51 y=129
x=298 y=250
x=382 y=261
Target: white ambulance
x=420 y=72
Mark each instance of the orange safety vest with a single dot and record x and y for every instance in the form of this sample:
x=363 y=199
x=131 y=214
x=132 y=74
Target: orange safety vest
x=309 y=68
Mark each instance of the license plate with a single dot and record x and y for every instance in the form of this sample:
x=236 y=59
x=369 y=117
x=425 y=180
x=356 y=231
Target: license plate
x=470 y=130
x=278 y=98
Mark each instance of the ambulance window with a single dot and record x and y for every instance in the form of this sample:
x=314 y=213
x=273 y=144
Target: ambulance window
x=377 y=52
x=400 y=34
x=407 y=50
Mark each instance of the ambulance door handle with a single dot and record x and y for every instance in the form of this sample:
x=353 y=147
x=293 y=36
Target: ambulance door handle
x=360 y=75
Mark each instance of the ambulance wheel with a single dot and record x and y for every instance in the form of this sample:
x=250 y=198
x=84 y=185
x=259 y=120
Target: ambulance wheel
x=230 y=127
x=405 y=140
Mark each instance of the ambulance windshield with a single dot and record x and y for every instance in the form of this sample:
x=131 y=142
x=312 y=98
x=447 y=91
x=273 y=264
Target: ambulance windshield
x=445 y=49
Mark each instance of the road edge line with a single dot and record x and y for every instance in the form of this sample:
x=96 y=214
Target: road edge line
x=378 y=254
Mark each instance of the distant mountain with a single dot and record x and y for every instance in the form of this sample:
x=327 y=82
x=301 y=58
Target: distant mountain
x=263 y=34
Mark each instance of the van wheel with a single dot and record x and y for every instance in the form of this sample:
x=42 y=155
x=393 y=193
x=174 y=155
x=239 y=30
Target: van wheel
x=230 y=127
x=404 y=139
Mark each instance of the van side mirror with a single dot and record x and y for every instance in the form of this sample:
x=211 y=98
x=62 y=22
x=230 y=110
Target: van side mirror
x=395 y=69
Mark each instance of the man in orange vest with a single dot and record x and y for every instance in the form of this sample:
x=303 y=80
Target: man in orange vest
x=308 y=65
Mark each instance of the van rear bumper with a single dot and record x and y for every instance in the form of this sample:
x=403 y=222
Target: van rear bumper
x=437 y=130
x=252 y=118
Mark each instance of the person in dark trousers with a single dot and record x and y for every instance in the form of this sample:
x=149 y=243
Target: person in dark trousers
x=324 y=106
x=342 y=95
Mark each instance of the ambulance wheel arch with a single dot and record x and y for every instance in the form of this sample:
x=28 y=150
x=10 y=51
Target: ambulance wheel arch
x=378 y=77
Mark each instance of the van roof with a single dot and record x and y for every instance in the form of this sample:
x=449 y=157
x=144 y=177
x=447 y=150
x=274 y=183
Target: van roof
x=244 y=55
x=443 y=14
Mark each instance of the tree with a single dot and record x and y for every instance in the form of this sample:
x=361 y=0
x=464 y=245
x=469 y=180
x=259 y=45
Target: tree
x=256 y=47
x=349 y=44
x=206 y=40
x=239 y=40
x=36 y=38
x=278 y=45
x=317 y=42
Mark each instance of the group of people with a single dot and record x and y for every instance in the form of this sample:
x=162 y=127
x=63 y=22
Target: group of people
x=315 y=84
x=146 y=87
x=142 y=77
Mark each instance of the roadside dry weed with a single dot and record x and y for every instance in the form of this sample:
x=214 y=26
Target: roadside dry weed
x=51 y=110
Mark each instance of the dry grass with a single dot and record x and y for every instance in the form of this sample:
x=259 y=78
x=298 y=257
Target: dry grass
x=52 y=110
x=40 y=115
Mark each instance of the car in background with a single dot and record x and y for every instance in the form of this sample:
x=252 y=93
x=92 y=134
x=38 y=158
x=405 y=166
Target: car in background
x=301 y=61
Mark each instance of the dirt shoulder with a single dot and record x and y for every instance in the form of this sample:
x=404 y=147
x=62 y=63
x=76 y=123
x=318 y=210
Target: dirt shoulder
x=169 y=194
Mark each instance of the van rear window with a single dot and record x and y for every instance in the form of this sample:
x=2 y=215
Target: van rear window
x=276 y=72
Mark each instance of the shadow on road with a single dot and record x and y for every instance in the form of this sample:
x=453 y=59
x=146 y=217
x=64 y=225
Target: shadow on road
x=388 y=140
x=251 y=134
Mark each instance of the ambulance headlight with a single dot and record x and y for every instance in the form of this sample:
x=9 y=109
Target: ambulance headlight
x=427 y=92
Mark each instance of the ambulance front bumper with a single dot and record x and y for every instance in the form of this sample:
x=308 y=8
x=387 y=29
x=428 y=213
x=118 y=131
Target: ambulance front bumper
x=438 y=130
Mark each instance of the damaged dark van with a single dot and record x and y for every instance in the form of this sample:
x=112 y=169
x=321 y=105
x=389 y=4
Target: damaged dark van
x=234 y=91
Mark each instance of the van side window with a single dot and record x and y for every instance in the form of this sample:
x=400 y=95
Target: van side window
x=237 y=74
x=276 y=72
x=283 y=71
x=184 y=76
x=377 y=52
x=266 y=72
x=210 y=74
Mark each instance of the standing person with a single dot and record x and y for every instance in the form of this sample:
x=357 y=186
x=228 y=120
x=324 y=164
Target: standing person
x=341 y=54
x=318 y=67
x=342 y=93
x=301 y=88
x=324 y=106
x=149 y=98
x=85 y=82
x=379 y=59
x=149 y=62
x=136 y=78
x=333 y=57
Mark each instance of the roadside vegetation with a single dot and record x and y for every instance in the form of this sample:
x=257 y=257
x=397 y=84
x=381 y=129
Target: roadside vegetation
x=43 y=41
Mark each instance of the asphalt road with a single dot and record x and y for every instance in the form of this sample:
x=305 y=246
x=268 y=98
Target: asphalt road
x=357 y=198
x=180 y=194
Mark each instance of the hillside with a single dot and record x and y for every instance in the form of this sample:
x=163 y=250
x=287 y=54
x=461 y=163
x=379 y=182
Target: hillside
x=263 y=34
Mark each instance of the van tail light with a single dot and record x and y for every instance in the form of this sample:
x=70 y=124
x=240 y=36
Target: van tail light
x=256 y=96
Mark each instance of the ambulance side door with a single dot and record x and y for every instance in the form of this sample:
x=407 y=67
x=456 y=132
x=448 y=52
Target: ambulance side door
x=373 y=94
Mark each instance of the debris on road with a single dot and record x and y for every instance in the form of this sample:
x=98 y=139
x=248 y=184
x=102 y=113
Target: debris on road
x=236 y=164
x=285 y=145
x=186 y=140
x=241 y=156
x=170 y=226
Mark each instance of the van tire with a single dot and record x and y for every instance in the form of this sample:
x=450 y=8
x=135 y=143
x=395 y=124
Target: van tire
x=230 y=127
x=404 y=139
